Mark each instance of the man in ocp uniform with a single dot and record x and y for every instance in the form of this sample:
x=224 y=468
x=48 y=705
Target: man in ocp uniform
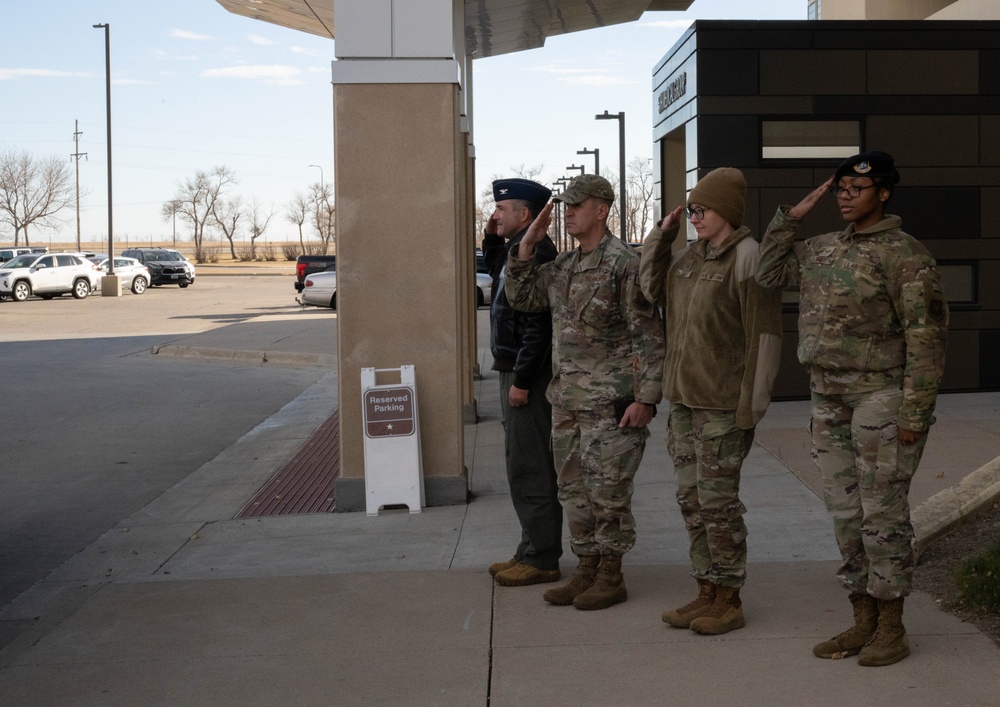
x=607 y=361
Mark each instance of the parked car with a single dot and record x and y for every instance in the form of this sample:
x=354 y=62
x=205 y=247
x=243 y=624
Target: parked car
x=166 y=267
x=134 y=274
x=306 y=265
x=47 y=275
x=320 y=289
x=484 y=289
x=187 y=263
x=11 y=253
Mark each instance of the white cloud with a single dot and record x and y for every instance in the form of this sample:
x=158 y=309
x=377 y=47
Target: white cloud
x=303 y=50
x=562 y=70
x=600 y=80
x=257 y=39
x=9 y=74
x=185 y=34
x=583 y=76
x=272 y=74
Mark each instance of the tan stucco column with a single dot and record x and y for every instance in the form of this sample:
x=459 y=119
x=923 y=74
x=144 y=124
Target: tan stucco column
x=403 y=267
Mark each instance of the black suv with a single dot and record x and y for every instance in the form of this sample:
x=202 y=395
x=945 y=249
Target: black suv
x=166 y=267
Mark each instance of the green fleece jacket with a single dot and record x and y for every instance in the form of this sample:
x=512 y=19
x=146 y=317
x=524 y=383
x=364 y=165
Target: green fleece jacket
x=723 y=330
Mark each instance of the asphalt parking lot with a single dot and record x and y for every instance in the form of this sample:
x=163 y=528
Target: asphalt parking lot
x=96 y=426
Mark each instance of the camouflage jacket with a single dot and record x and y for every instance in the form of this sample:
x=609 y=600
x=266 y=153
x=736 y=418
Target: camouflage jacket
x=871 y=310
x=607 y=339
x=723 y=330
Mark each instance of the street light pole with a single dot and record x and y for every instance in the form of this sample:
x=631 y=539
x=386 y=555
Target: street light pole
x=107 y=72
x=620 y=117
x=577 y=166
x=322 y=183
x=596 y=152
x=561 y=236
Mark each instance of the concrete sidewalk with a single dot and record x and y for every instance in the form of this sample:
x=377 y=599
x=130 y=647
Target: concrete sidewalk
x=182 y=605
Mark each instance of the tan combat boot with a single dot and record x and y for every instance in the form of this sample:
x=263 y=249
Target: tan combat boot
x=586 y=573
x=521 y=575
x=890 y=644
x=681 y=618
x=608 y=589
x=851 y=641
x=501 y=566
x=724 y=615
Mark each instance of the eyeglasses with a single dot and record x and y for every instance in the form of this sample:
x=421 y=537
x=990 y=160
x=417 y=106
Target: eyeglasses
x=693 y=211
x=852 y=191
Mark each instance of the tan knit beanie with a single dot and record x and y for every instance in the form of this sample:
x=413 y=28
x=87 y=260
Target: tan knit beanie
x=722 y=190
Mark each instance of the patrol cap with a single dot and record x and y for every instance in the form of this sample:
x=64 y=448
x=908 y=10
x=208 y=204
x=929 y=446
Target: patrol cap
x=522 y=189
x=874 y=164
x=586 y=185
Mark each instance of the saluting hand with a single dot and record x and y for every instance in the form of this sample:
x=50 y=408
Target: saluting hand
x=535 y=233
x=671 y=219
x=800 y=210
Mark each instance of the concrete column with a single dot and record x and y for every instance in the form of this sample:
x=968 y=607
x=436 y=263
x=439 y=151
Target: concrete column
x=404 y=251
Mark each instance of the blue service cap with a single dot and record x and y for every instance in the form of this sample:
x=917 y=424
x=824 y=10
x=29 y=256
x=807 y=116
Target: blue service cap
x=523 y=189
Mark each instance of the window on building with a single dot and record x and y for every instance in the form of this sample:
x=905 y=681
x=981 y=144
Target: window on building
x=810 y=139
x=813 y=10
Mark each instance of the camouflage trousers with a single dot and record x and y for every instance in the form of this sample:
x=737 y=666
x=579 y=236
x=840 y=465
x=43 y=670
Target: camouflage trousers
x=708 y=449
x=866 y=481
x=595 y=467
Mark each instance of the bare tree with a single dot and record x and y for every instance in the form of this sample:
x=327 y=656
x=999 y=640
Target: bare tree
x=638 y=196
x=32 y=191
x=197 y=196
x=297 y=212
x=614 y=216
x=323 y=211
x=227 y=214
x=259 y=220
x=169 y=212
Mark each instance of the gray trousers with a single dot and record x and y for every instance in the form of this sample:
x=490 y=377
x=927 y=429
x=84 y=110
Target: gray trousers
x=532 y=475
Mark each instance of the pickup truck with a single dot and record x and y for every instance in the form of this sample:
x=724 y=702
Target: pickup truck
x=308 y=264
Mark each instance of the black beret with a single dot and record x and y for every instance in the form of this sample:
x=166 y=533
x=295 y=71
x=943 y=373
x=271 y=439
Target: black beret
x=875 y=164
x=523 y=189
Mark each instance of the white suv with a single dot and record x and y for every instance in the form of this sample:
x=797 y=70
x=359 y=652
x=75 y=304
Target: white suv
x=47 y=275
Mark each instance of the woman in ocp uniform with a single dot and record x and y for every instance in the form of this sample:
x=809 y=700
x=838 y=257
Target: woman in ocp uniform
x=872 y=328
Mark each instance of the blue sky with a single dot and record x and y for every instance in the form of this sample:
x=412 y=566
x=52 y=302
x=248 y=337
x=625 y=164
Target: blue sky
x=194 y=86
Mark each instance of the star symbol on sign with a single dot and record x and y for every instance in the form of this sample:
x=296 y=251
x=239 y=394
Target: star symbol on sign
x=389 y=426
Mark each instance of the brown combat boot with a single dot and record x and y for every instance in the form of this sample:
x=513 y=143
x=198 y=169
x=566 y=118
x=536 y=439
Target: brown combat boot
x=724 y=615
x=521 y=575
x=586 y=573
x=890 y=644
x=608 y=589
x=851 y=641
x=501 y=566
x=681 y=618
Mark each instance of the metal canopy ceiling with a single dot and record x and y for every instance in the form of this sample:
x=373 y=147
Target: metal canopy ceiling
x=492 y=27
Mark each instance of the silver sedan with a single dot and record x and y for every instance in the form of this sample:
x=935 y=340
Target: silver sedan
x=320 y=289
x=134 y=274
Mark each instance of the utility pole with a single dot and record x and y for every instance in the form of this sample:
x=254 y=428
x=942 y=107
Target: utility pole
x=77 y=155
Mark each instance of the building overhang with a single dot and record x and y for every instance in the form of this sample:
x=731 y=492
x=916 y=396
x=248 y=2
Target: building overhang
x=492 y=27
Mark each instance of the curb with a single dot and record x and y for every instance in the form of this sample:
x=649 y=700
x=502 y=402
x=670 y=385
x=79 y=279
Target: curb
x=950 y=508
x=274 y=358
